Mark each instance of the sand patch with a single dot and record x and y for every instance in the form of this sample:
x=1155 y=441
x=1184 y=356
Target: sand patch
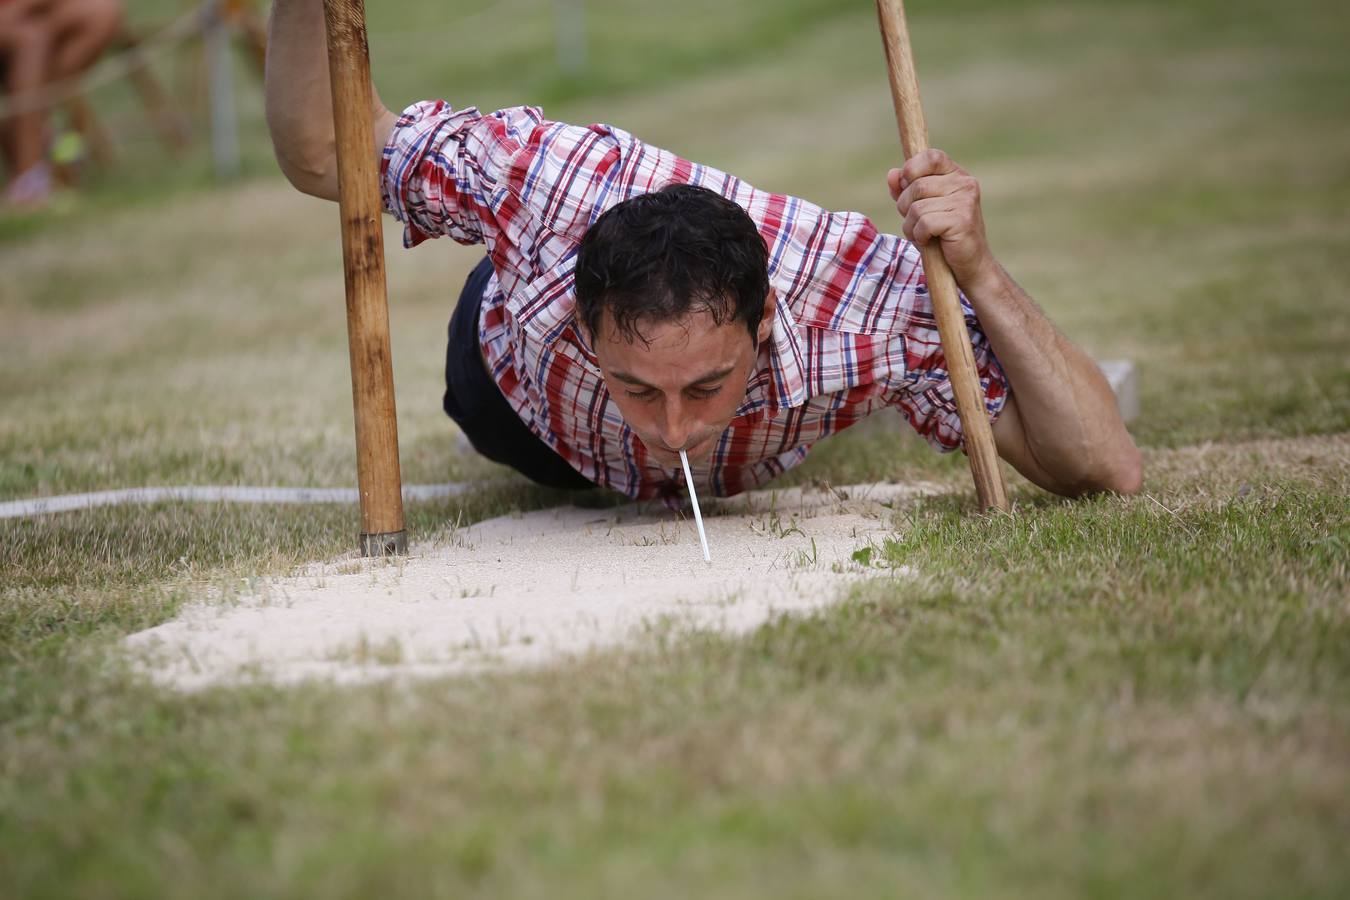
x=532 y=589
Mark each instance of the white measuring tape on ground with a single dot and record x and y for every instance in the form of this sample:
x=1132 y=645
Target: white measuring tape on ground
x=40 y=506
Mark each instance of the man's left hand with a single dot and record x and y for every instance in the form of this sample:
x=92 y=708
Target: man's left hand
x=940 y=200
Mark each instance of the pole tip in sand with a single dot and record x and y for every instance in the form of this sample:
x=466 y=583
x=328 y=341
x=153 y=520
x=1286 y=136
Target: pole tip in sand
x=391 y=543
x=693 y=499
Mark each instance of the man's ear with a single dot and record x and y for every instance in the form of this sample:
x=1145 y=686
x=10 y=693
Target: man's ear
x=765 y=330
x=578 y=321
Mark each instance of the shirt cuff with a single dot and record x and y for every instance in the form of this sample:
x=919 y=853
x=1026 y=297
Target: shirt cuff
x=930 y=406
x=407 y=158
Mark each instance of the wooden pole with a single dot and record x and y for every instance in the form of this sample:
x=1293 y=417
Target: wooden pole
x=979 y=437
x=377 y=468
x=220 y=73
x=250 y=28
x=84 y=120
x=173 y=130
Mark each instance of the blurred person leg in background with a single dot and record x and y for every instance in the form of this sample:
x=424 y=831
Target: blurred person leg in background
x=25 y=46
x=44 y=42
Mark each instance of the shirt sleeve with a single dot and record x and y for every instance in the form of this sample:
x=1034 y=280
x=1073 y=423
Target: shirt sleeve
x=525 y=186
x=927 y=400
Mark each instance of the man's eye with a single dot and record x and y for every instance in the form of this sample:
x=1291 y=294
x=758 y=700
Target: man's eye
x=641 y=395
x=704 y=393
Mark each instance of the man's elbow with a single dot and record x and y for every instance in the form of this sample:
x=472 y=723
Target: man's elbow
x=306 y=155
x=310 y=172
x=1125 y=474
x=1119 y=472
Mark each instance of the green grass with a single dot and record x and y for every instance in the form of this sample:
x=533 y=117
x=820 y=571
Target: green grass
x=1115 y=697
x=1037 y=716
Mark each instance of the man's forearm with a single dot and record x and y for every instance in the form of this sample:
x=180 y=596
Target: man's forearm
x=1061 y=427
x=1070 y=423
x=299 y=100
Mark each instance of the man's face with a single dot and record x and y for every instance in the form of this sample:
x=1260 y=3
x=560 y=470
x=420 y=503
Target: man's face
x=679 y=384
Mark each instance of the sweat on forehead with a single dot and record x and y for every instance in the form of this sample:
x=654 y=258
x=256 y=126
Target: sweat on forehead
x=667 y=255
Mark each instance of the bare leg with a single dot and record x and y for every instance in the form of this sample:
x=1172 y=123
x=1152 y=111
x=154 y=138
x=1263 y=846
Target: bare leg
x=46 y=41
x=83 y=29
x=27 y=47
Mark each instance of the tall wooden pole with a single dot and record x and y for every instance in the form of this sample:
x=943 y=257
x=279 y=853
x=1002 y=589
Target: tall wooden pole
x=377 y=469
x=224 y=126
x=979 y=437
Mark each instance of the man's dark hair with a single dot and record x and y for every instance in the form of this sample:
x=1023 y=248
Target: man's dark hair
x=661 y=256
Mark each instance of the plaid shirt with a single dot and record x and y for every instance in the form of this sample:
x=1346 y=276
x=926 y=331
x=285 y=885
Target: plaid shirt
x=853 y=332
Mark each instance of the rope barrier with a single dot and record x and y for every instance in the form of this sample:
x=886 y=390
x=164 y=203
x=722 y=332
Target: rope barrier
x=185 y=27
x=399 y=38
x=113 y=68
x=41 y=506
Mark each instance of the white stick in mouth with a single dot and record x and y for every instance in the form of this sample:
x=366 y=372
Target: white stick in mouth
x=693 y=498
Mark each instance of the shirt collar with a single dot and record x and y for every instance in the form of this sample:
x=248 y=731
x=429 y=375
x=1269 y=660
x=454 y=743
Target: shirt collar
x=779 y=380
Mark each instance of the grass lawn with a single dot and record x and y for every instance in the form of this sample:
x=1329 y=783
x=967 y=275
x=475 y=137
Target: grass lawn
x=1113 y=697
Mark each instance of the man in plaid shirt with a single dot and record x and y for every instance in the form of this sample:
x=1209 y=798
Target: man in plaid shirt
x=634 y=304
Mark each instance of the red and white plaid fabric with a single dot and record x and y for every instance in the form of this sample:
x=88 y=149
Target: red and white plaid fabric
x=853 y=332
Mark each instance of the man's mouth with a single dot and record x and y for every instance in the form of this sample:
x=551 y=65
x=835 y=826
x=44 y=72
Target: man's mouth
x=671 y=457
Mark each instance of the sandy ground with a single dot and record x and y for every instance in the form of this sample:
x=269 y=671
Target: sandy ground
x=531 y=589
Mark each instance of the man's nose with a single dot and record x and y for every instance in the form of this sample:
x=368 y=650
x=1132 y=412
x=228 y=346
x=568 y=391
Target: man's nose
x=676 y=426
